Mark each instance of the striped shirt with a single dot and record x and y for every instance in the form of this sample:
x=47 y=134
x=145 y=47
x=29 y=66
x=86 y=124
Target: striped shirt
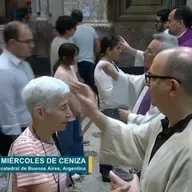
x=35 y=148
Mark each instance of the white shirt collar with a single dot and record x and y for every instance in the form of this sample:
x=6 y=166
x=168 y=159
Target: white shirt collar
x=181 y=34
x=166 y=31
x=15 y=60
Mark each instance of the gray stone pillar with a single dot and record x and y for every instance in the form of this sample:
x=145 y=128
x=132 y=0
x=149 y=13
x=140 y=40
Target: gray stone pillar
x=189 y=3
x=44 y=6
x=95 y=13
x=2 y=8
x=41 y=26
x=1 y=38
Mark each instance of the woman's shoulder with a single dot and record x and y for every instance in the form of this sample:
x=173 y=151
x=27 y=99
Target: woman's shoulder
x=61 y=73
x=25 y=144
x=103 y=62
x=60 y=70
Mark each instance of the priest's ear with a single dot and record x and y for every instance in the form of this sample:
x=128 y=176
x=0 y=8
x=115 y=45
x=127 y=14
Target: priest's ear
x=180 y=23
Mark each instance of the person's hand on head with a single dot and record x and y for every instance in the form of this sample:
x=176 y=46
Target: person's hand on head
x=124 y=43
x=110 y=71
x=86 y=98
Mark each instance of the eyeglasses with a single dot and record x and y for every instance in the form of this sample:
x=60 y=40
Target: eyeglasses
x=148 y=76
x=158 y=21
x=28 y=41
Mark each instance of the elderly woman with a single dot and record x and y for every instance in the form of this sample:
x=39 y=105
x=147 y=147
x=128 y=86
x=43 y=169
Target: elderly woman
x=47 y=102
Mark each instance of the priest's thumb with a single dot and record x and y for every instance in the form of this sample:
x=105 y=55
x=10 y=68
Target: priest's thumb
x=115 y=179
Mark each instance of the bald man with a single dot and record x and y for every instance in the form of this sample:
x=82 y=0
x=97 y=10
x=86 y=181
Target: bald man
x=15 y=73
x=161 y=150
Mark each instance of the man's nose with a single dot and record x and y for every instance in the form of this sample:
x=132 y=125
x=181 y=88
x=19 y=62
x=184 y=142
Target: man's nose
x=167 y=24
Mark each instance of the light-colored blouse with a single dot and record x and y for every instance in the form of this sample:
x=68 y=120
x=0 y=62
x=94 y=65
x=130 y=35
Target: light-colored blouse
x=68 y=76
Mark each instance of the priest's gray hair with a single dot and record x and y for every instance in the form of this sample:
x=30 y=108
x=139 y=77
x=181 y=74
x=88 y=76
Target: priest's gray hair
x=44 y=92
x=167 y=41
x=179 y=66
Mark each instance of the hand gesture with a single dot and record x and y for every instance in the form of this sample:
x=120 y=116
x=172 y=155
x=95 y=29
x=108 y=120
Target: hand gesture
x=124 y=43
x=86 y=98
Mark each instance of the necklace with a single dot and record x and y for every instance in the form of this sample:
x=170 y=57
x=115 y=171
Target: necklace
x=56 y=181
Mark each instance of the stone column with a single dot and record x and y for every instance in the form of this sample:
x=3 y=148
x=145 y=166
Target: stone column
x=189 y=3
x=95 y=13
x=2 y=8
x=41 y=26
x=1 y=38
x=44 y=8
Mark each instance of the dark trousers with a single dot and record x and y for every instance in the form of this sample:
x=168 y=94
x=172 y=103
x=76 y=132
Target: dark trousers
x=6 y=142
x=104 y=169
x=71 y=139
x=86 y=71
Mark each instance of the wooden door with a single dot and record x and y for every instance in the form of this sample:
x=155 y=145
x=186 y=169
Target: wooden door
x=137 y=10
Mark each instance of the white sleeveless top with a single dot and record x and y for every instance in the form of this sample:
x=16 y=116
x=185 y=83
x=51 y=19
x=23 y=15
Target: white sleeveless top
x=112 y=94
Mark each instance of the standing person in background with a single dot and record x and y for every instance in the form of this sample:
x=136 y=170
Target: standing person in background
x=15 y=73
x=87 y=40
x=112 y=94
x=71 y=139
x=65 y=28
x=161 y=20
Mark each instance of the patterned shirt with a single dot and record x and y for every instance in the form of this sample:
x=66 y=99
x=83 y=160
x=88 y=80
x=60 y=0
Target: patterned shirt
x=35 y=148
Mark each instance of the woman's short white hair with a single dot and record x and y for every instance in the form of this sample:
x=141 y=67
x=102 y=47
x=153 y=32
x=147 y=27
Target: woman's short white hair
x=44 y=92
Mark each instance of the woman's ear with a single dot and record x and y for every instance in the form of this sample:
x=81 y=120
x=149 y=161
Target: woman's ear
x=109 y=51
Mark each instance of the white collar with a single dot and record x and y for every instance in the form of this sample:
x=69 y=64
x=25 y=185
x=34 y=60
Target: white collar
x=181 y=34
x=15 y=60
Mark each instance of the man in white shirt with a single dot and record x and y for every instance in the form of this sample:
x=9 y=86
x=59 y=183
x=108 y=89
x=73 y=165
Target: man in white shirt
x=15 y=73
